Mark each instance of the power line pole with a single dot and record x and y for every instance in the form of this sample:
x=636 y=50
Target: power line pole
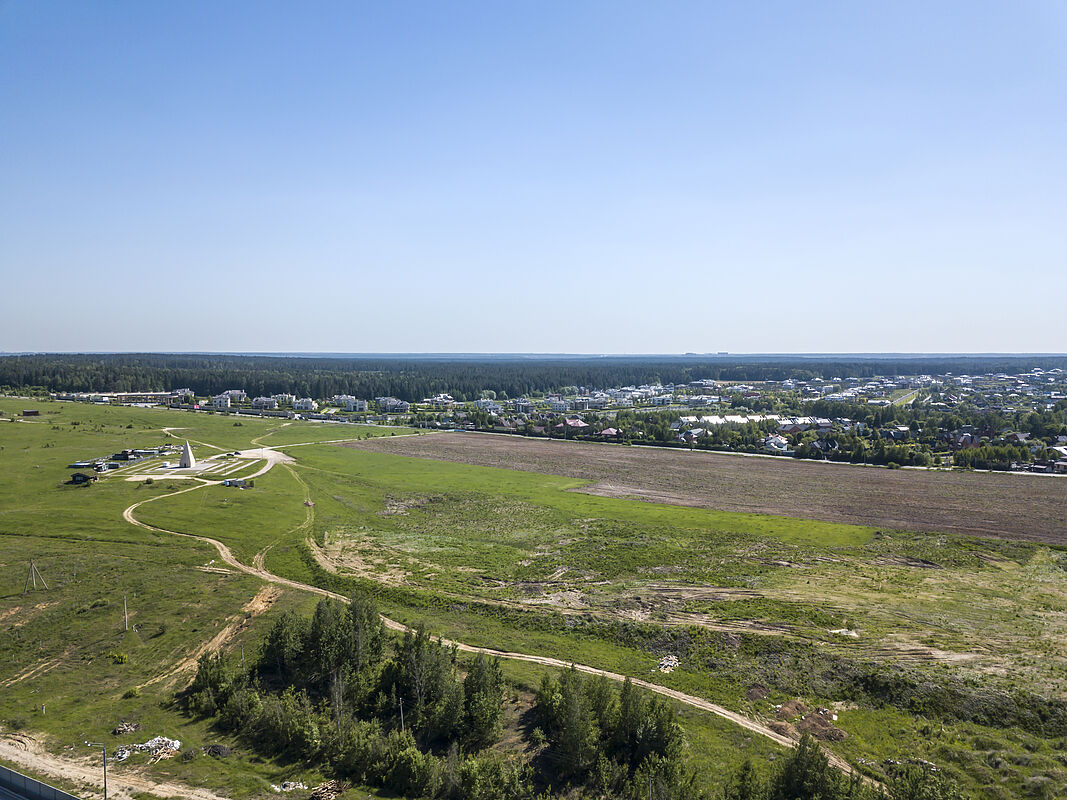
x=103 y=750
x=401 y=714
x=125 y=615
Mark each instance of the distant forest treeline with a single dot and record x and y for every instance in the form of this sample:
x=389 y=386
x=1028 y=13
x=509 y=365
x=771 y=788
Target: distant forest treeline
x=413 y=378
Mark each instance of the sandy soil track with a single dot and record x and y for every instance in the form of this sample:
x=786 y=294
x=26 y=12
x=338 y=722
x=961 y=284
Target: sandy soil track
x=27 y=753
x=1010 y=506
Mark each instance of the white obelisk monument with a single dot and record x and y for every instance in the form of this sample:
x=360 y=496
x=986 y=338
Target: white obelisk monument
x=187 y=461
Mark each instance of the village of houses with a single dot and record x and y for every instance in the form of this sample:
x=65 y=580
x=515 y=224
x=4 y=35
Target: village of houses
x=775 y=418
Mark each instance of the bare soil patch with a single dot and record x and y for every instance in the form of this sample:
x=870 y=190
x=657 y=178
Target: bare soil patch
x=1025 y=507
x=261 y=602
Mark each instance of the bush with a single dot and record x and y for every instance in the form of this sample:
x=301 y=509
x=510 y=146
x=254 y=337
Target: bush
x=414 y=774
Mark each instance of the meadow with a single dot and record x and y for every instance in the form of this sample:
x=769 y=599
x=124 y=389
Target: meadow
x=933 y=646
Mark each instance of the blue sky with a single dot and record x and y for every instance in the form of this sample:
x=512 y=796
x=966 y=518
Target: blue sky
x=619 y=177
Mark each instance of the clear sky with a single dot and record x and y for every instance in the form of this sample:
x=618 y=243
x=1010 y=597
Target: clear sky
x=622 y=177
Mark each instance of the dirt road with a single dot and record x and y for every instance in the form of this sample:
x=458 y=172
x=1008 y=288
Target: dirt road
x=696 y=702
x=27 y=753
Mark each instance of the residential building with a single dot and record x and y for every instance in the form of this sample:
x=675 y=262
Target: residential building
x=391 y=405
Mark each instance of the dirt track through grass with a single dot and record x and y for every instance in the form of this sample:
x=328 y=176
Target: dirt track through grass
x=1024 y=507
x=690 y=700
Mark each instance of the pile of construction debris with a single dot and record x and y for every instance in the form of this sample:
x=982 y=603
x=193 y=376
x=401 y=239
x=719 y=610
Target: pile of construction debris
x=287 y=786
x=668 y=663
x=819 y=723
x=125 y=727
x=217 y=750
x=328 y=790
x=159 y=748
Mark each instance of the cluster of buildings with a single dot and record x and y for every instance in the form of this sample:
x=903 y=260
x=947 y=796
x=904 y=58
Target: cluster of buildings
x=775 y=410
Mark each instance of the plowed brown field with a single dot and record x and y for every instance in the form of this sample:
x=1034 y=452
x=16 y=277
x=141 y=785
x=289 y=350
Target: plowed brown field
x=1011 y=506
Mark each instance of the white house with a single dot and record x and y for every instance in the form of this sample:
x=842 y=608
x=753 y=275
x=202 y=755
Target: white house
x=236 y=395
x=220 y=401
x=348 y=402
x=776 y=444
x=304 y=404
x=284 y=398
x=558 y=404
x=265 y=403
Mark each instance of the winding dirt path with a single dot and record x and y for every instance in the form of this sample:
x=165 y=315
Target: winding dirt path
x=263 y=574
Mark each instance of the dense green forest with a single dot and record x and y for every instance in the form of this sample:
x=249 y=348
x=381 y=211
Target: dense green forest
x=417 y=377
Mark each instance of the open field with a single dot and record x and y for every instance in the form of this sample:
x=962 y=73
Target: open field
x=1027 y=507
x=942 y=647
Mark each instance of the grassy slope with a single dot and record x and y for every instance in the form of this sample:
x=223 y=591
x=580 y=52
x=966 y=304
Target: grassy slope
x=77 y=622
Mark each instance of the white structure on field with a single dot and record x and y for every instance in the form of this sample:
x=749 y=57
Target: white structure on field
x=187 y=460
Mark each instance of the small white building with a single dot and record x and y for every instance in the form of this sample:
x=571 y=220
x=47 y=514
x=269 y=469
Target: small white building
x=220 y=401
x=304 y=404
x=349 y=403
x=392 y=405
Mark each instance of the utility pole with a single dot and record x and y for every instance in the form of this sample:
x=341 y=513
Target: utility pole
x=103 y=750
x=401 y=714
x=125 y=615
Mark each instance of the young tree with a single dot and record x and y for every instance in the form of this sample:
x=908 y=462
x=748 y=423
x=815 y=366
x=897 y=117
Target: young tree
x=483 y=693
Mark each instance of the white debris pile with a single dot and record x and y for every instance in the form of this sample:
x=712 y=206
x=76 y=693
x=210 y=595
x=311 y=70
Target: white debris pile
x=668 y=663
x=287 y=786
x=159 y=747
x=845 y=632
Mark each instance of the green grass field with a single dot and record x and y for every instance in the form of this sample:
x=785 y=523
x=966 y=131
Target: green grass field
x=858 y=620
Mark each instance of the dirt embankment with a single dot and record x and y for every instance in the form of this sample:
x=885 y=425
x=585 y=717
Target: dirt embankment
x=1025 y=507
